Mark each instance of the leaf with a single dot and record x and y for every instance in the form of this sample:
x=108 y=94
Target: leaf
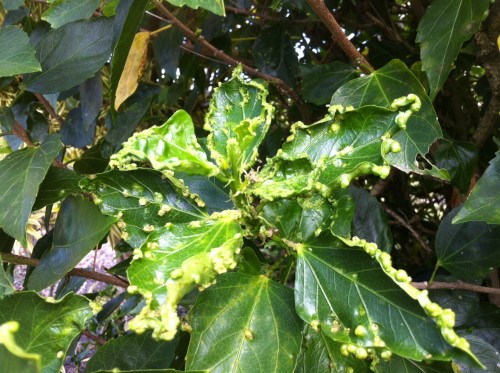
x=179 y=258
x=215 y=6
x=6 y=287
x=486 y=353
x=91 y=161
x=74 y=132
x=21 y=174
x=170 y=147
x=12 y=4
x=238 y=120
x=319 y=82
x=341 y=291
x=133 y=69
x=132 y=352
x=243 y=324
x=445 y=26
x=79 y=228
x=140 y=198
x=46 y=328
x=460 y=159
x=274 y=54
x=398 y=364
x=61 y=12
x=58 y=183
x=71 y=54
x=17 y=56
x=12 y=357
x=370 y=220
x=467 y=250
x=381 y=88
x=151 y=371
x=321 y=354
x=90 y=99
x=483 y=203
x=167 y=51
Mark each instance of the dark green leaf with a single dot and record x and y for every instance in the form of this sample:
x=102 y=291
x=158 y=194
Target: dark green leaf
x=488 y=355
x=80 y=226
x=460 y=159
x=71 y=54
x=215 y=6
x=42 y=246
x=73 y=131
x=70 y=285
x=6 y=287
x=463 y=303
x=167 y=51
x=392 y=81
x=17 y=56
x=92 y=161
x=58 y=183
x=467 y=250
x=319 y=82
x=398 y=364
x=483 y=203
x=45 y=328
x=14 y=358
x=446 y=25
x=244 y=324
x=151 y=371
x=140 y=198
x=12 y=4
x=21 y=174
x=61 y=12
x=7 y=119
x=90 y=99
x=274 y=54
x=132 y=352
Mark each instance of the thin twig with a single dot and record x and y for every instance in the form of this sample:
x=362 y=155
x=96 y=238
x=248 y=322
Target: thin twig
x=79 y=272
x=219 y=54
x=412 y=230
x=49 y=108
x=20 y=132
x=94 y=337
x=457 y=285
x=339 y=36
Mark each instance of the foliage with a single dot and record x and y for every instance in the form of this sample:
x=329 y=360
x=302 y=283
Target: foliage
x=267 y=219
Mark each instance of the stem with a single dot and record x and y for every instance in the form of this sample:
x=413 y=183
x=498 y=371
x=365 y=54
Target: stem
x=20 y=132
x=94 y=337
x=457 y=285
x=339 y=36
x=431 y=280
x=97 y=276
x=49 y=108
x=155 y=32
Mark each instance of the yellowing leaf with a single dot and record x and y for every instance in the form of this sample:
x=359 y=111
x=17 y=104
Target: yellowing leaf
x=133 y=69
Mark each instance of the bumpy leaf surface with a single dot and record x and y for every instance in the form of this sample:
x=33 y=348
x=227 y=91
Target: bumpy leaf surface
x=22 y=172
x=12 y=357
x=215 y=6
x=398 y=364
x=446 y=25
x=45 y=328
x=17 y=56
x=58 y=183
x=381 y=88
x=61 y=12
x=483 y=203
x=243 y=324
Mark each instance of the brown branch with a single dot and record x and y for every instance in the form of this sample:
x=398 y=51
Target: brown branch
x=79 y=272
x=324 y=14
x=20 y=132
x=220 y=55
x=94 y=337
x=412 y=230
x=49 y=108
x=457 y=285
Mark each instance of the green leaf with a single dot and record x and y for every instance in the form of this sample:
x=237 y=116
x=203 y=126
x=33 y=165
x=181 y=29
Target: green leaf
x=488 y=355
x=58 y=183
x=80 y=226
x=6 y=287
x=170 y=147
x=483 y=203
x=238 y=120
x=381 y=88
x=321 y=354
x=140 y=198
x=319 y=82
x=132 y=352
x=215 y=6
x=12 y=357
x=12 y=4
x=340 y=290
x=151 y=371
x=445 y=26
x=21 y=174
x=91 y=161
x=71 y=54
x=244 y=324
x=45 y=328
x=17 y=56
x=178 y=258
x=460 y=159
x=398 y=364
x=467 y=250
x=61 y=12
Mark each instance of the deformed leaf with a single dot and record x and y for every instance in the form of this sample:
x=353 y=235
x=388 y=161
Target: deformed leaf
x=61 y=12
x=445 y=26
x=79 y=228
x=398 y=364
x=12 y=357
x=467 y=250
x=17 y=56
x=133 y=69
x=22 y=172
x=45 y=328
x=483 y=203
x=215 y=6
x=170 y=147
x=244 y=324
x=488 y=355
x=71 y=54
